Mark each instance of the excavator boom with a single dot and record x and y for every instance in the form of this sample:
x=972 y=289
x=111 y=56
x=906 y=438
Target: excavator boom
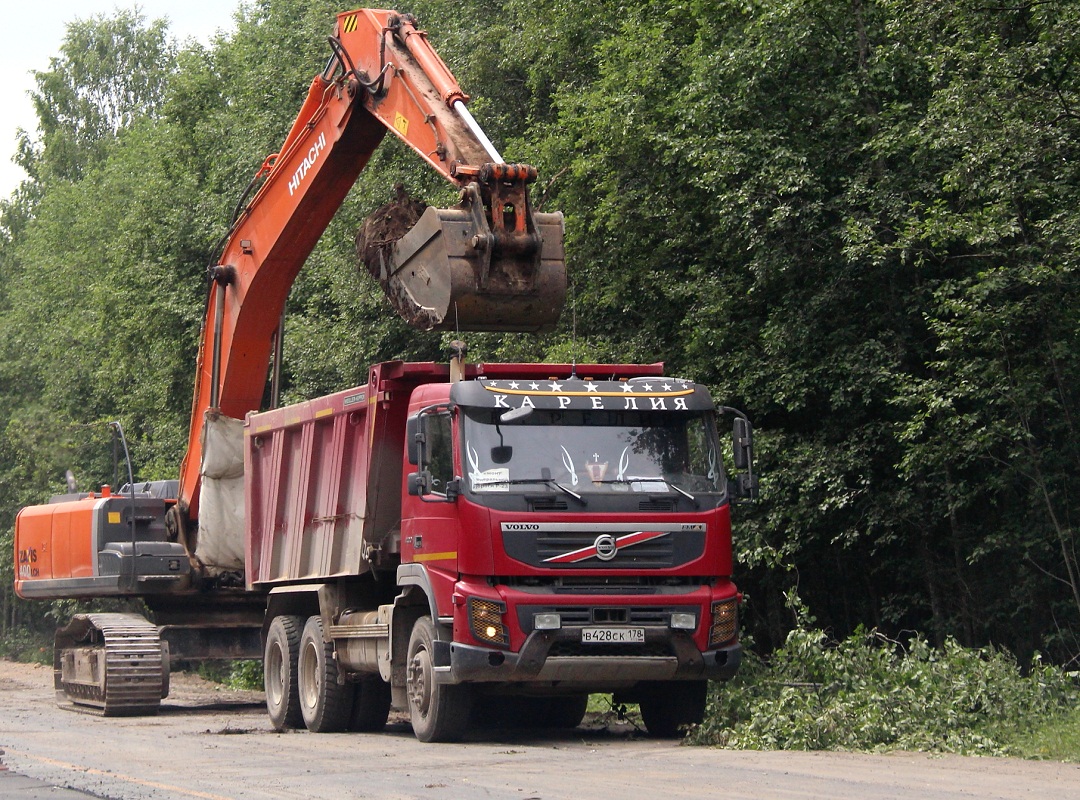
x=490 y=263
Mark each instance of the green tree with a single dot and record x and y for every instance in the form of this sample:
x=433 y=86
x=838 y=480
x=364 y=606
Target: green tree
x=112 y=69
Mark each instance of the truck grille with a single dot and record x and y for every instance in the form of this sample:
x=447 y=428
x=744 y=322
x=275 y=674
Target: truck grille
x=657 y=553
x=604 y=546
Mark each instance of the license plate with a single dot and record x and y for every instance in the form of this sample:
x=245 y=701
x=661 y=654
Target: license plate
x=613 y=635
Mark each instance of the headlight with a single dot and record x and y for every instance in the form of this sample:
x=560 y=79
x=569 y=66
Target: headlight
x=486 y=623
x=547 y=622
x=683 y=621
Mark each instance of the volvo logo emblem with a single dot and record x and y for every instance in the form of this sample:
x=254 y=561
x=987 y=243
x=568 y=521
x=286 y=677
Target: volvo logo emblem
x=606 y=547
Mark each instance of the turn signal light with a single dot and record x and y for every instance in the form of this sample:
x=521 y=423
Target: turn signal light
x=725 y=622
x=486 y=623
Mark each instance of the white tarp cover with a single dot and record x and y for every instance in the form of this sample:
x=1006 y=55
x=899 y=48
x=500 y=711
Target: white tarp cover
x=220 y=546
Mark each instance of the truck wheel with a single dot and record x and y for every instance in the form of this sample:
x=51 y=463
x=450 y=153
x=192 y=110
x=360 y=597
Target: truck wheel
x=565 y=712
x=325 y=703
x=279 y=672
x=439 y=711
x=371 y=705
x=666 y=708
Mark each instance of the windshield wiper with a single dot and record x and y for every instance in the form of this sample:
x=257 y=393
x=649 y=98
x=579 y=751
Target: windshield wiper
x=664 y=481
x=556 y=484
x=680 y=490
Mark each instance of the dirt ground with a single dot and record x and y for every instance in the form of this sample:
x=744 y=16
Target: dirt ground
x=215 y=744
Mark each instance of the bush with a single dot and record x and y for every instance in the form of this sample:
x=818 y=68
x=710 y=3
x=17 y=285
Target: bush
x=241 y=675
x=245 y=675
x=27 y=645
x=870 y=693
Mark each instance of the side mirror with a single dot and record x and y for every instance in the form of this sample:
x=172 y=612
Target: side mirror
x=501 y=454
x=742 y=439
x=414 y=438
x=418 y=483
x=745 y=485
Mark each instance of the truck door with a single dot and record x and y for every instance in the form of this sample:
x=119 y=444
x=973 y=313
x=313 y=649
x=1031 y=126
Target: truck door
x=430 y=525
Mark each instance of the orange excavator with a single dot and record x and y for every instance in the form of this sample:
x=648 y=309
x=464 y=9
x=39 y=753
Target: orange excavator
x=490 y=263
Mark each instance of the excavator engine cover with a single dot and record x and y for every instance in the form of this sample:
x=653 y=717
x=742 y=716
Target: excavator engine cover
x=451 y=272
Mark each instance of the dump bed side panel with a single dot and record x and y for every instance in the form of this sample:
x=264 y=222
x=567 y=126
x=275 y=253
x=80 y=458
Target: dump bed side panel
x=307 y=489
x=323 y=491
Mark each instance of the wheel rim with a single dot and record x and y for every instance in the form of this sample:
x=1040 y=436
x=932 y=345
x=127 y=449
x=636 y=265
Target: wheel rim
x=419 y=681
x=275 y=675
x=310 y=679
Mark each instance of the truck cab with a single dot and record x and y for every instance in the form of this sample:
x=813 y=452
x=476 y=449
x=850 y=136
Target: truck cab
x=574 y=534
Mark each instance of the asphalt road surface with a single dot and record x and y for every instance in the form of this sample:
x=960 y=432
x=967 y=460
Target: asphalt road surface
x=213 y=744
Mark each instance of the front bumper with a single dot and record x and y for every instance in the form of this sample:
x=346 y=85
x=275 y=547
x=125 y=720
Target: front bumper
x=560 y=656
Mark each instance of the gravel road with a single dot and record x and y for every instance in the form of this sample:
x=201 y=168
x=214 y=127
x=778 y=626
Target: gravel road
x=215 y=744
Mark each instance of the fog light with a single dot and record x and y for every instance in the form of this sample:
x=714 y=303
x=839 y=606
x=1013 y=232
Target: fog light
x=547 y=622
x=725 y=622
x=485 y=621
x=683 y=621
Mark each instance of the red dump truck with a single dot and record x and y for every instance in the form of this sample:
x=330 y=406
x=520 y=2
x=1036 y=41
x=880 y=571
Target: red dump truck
x=530 y=533
x=444 y=537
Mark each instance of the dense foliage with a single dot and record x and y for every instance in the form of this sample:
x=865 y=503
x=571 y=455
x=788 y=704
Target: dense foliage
x=855 y=219
x=870 y=693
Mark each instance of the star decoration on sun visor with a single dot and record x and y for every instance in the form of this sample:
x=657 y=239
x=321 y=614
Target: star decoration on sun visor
x=584 y=388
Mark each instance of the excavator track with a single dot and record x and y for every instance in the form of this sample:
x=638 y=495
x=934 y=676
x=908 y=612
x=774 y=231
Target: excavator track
x=111 y=664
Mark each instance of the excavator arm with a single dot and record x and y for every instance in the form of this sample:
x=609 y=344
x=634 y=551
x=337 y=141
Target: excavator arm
x=489 y=263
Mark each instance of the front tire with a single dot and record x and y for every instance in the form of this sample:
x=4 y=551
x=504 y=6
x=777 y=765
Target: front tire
x=566 y=712
x=324 y=703
x=279 y=672
x=439 y=711
x=668 y=708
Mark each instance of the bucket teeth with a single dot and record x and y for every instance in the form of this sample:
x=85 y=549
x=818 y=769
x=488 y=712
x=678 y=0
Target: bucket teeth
x=451 y=271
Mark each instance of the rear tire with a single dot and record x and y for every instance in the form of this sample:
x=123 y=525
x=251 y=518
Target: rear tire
x=439 y=711
x=325 y=704
x=667 y=708
x=279 y=672
x=371 y=705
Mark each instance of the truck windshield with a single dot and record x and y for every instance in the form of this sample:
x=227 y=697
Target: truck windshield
x=592 y=452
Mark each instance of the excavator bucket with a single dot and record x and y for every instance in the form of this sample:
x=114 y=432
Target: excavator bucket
x=456 y=270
